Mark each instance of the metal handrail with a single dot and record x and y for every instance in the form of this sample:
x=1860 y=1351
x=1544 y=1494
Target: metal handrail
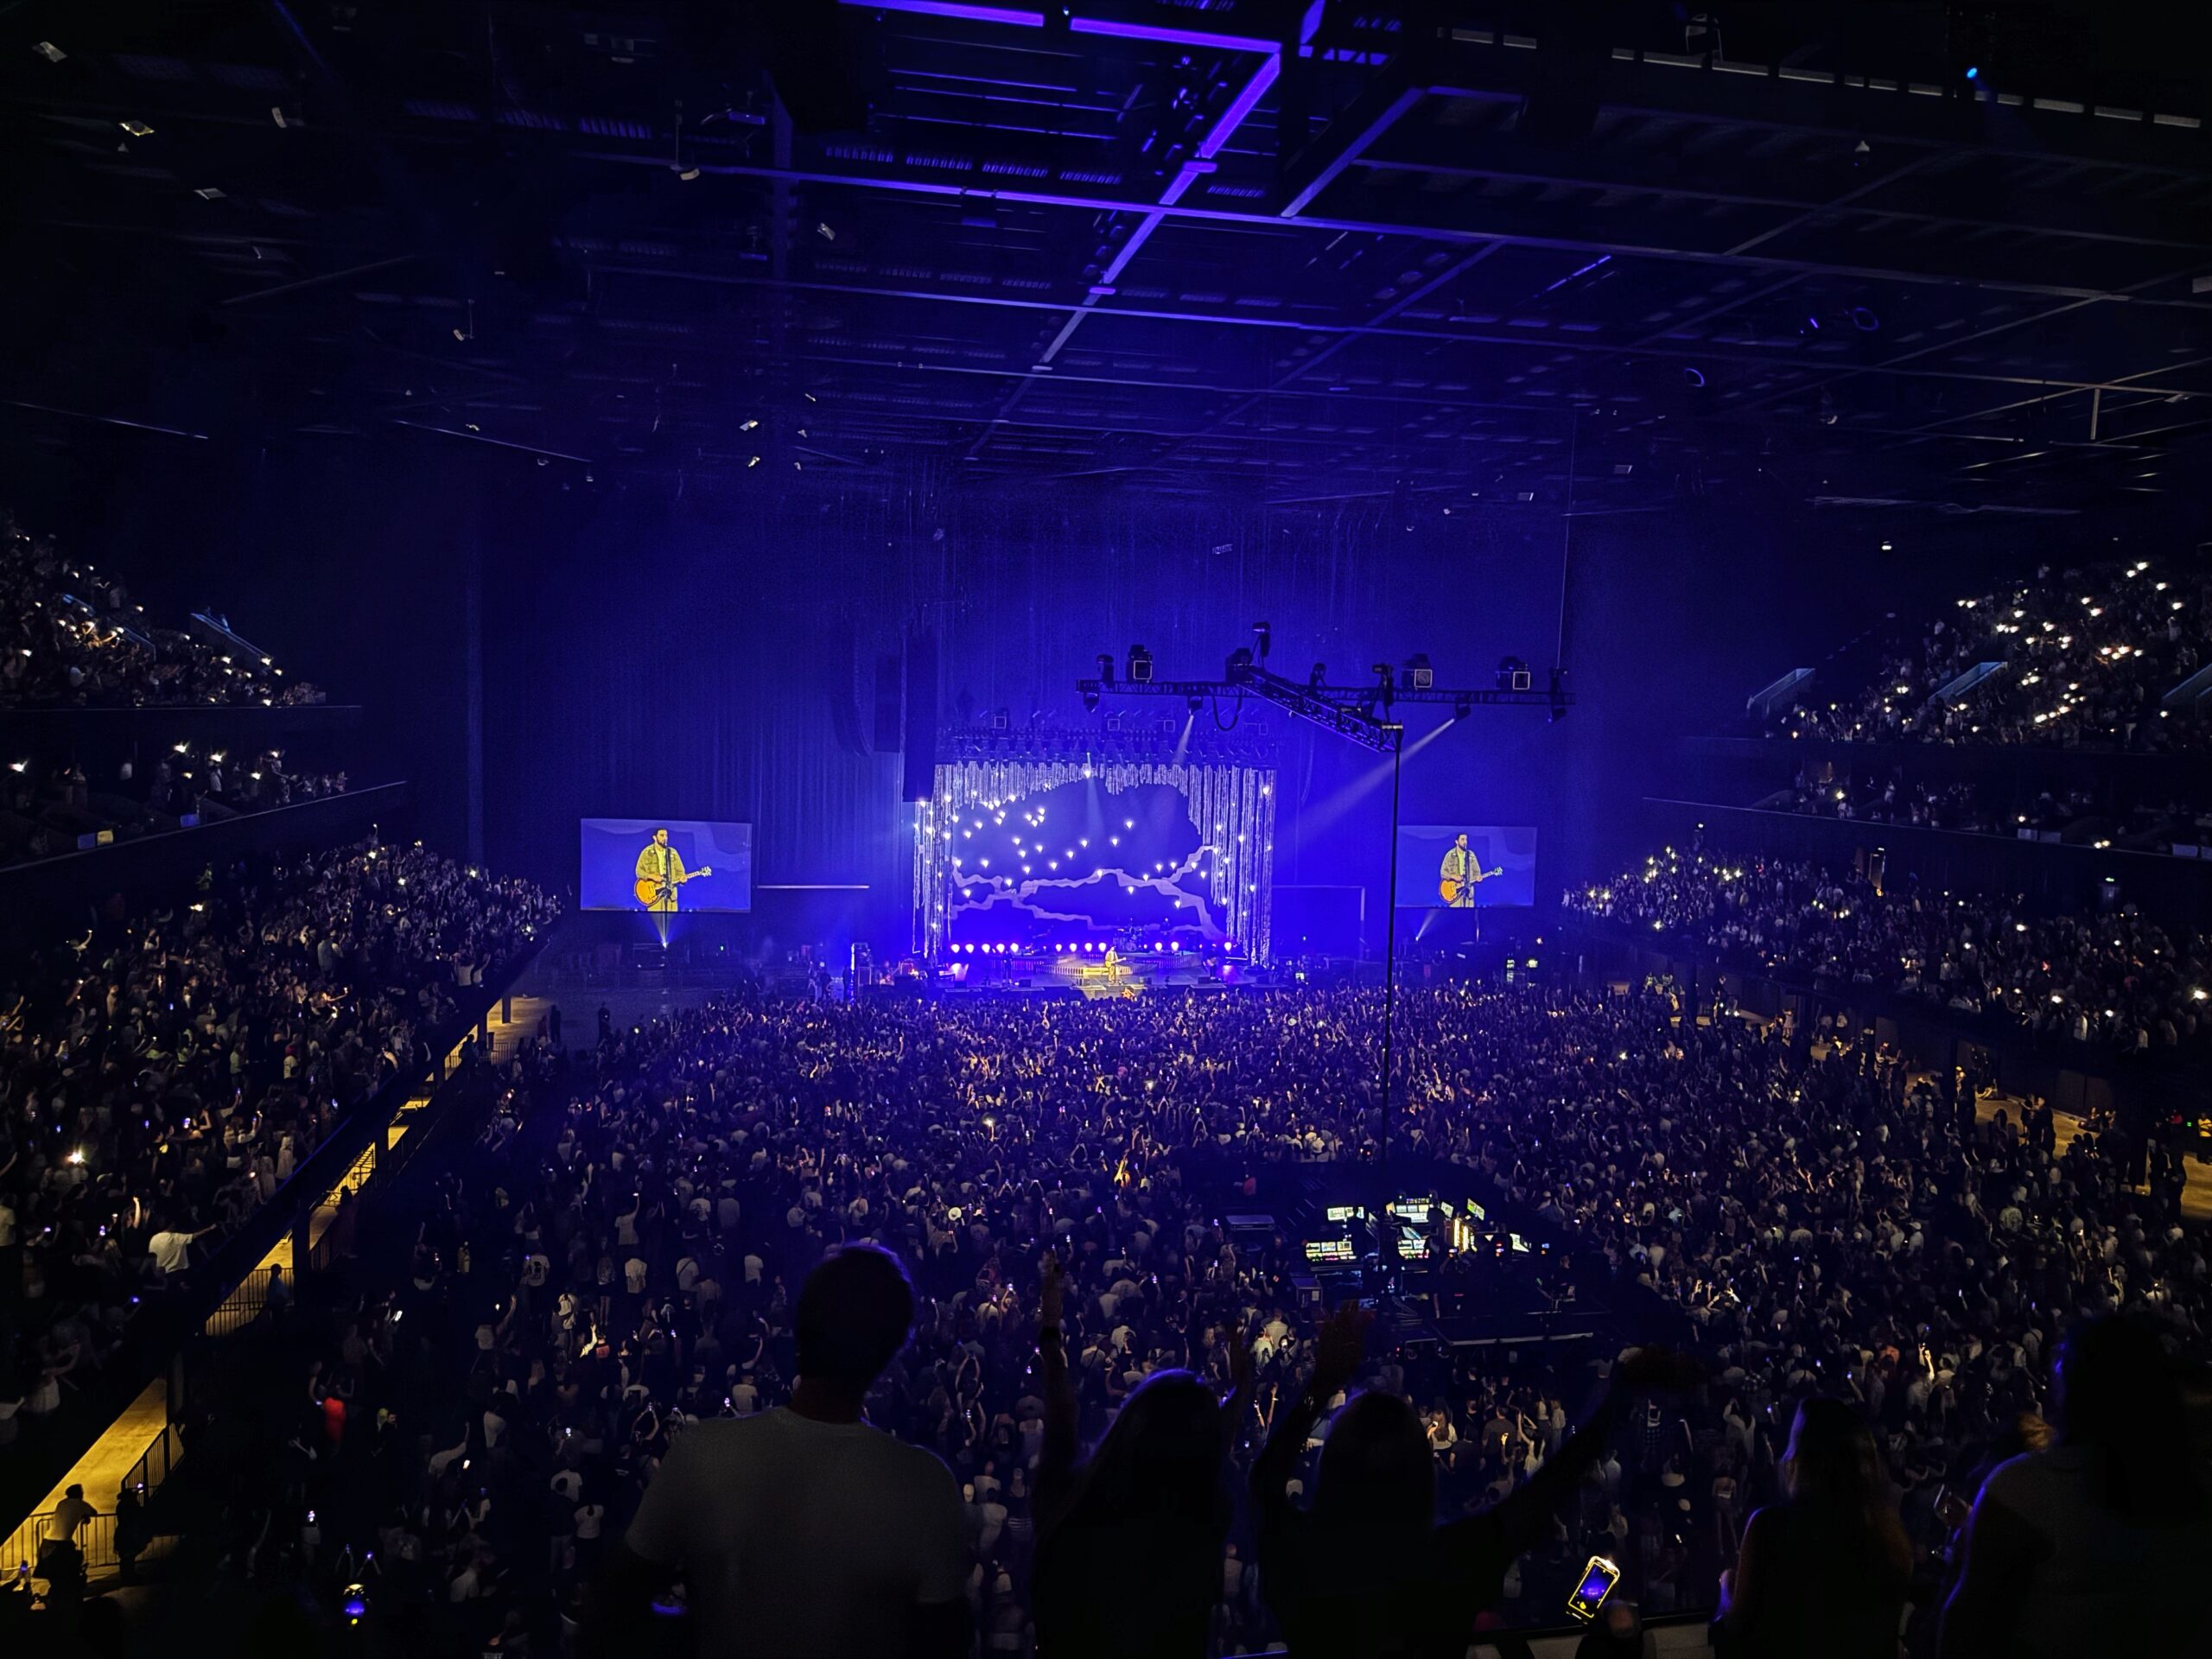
x=26 y=1546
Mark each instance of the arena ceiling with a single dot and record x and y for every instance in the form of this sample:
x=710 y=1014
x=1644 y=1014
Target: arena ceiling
x=1306 y=249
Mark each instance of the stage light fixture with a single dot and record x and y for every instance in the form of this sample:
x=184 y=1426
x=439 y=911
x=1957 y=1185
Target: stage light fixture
x=1194 y=702
x=1512 y=675
x=1462 y=707
x=1106 y=669
x=1419 y=675
x=1139 y=665
x=1264 y=638
x=1238 y=670
x=1320 y=677
x=1090 y=699
x=1558 y=698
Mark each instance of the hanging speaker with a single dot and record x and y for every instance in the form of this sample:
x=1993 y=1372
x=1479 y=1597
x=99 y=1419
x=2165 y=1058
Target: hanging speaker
x=920 y=768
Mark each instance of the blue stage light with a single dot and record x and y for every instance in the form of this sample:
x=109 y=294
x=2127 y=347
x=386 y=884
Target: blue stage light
x=1974 y=72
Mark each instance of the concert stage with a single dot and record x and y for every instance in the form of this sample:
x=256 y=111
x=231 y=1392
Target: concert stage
x=1155 y=843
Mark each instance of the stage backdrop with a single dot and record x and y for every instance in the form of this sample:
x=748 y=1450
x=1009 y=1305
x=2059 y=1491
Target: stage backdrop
x=1063 y=852
x=717 y=860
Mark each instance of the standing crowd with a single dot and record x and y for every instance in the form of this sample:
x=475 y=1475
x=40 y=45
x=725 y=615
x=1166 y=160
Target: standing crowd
x=887 y=1328
x=163 y=1075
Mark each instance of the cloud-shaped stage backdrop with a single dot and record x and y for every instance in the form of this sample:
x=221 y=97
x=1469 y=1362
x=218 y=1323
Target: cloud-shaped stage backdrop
x=1076 y=863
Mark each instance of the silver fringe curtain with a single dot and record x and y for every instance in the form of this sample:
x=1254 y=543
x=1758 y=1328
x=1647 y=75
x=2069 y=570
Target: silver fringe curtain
x=1234 y=808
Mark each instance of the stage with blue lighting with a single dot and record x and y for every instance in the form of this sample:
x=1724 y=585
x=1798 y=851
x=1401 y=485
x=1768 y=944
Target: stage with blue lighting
x=1072 y=857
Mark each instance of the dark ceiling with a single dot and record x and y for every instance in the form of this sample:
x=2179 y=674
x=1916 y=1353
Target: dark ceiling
x=1302 y=252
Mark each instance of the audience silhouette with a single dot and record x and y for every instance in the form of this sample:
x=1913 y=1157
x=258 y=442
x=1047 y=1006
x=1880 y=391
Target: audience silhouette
x=2092 y=1544
x=1821 y=1575
x=803 y=1533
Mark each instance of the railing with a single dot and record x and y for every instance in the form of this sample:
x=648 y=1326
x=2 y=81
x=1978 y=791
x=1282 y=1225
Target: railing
x=55 y=890
x=242 y=1307
x=163 y=1324
x=1772 y=699
x=153 y=1468
x=30 y=1542
x=2054 y=875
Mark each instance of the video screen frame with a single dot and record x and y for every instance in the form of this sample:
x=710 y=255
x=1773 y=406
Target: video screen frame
x=1466 y=866
x=664 y=866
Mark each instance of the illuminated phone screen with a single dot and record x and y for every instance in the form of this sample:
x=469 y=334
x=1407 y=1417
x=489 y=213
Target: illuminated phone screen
x=1598 y=1581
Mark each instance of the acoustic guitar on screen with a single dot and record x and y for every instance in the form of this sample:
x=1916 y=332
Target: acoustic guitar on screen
x=1452 y=887
x=659 y=891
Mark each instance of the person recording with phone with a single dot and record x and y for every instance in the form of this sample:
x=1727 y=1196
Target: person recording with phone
x=1366 y=1572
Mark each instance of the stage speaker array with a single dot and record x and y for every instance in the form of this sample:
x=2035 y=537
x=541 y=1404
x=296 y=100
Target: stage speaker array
x=920 y=768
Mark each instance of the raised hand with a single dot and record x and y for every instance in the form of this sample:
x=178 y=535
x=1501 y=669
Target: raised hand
x=1240 y=1362
x=1053 y=1291
x=1340 y=1347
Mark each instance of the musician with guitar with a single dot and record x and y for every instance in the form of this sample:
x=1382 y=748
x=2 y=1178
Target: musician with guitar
x=660 y=871
x=1462 y=872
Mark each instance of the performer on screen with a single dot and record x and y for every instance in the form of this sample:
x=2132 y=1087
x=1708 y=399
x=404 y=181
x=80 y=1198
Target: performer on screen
x=660 y=871
x=1462 y=872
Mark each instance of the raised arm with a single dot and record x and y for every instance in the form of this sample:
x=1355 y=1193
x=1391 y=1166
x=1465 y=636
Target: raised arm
x=1341 y=1345
x=1522 y=1517
x=1056 y=1461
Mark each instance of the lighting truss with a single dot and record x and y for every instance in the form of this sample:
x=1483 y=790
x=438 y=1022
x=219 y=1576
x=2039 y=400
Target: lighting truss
x=1342 y=709
x=1320 y=707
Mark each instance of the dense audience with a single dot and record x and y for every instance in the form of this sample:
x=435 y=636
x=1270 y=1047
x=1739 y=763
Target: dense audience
x=616 y=1268
x=48 y=808
x=1879 y=795
x=163 y=1075
x=72 y=637
x=2115 y=978
x=2083 y=657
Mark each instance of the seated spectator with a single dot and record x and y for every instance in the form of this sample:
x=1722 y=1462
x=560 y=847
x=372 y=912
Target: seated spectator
x=2090 y=1546
x=2083 y=657
x=801 y=1533
x=1821 y=1575
x=70 y=638
x=2115 y=978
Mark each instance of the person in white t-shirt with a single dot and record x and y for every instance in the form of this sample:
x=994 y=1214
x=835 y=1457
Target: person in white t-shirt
x=803 y=1533
x=171 y=1251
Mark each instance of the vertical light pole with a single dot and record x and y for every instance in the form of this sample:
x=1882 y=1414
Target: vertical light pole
x=1386 y=1235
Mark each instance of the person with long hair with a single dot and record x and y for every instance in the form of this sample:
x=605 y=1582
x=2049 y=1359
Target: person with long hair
x=1366 y=1572
x=2094 y=1544
x=1823 y=1574
x=1129 y=1541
